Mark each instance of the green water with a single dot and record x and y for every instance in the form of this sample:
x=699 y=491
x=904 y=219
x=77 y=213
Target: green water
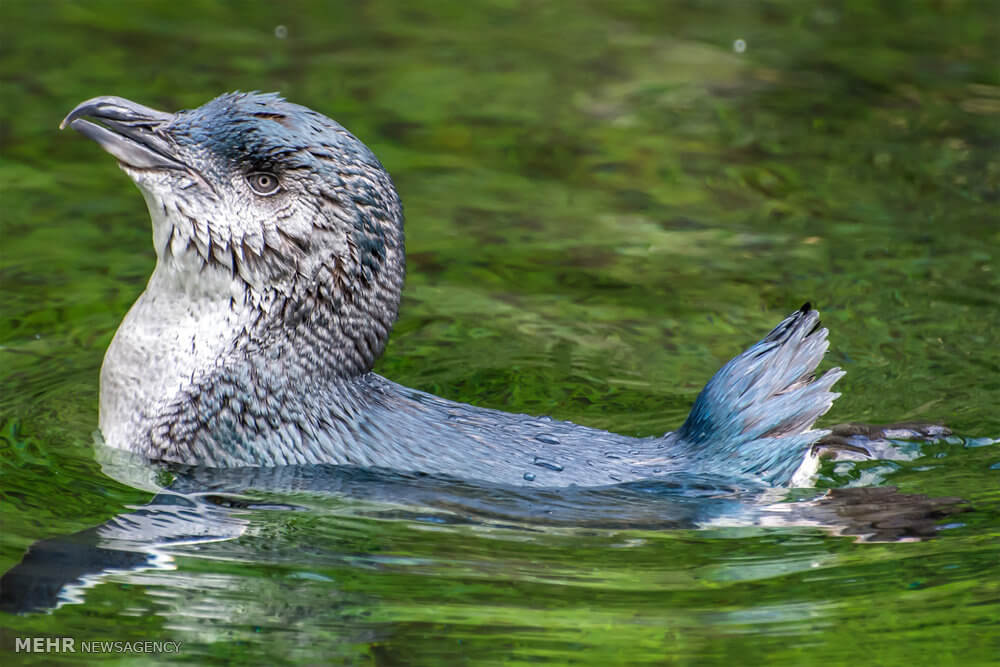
x=605 y=201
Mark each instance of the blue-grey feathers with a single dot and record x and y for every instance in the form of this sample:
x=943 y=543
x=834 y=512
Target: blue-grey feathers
x=754 y=416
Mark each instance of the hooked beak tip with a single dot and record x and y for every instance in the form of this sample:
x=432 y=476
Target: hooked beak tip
x=127 y=130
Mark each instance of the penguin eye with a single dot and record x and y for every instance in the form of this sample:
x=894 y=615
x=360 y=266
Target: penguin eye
x=263 y=183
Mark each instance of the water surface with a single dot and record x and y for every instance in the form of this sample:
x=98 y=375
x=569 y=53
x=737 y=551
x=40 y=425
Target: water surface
x=605 y=202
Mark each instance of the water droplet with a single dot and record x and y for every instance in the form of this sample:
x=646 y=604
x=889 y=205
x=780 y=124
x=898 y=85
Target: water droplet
x=432 y=519
x=544 y=463
x=280 y=31
x=529 y=477
x=547 y=438
x=739 y=46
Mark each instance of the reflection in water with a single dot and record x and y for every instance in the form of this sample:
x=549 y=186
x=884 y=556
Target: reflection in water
x=201 y=507
x=59 y=570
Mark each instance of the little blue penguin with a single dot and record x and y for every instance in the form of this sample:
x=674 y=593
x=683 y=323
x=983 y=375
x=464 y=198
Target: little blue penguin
x=279 y=270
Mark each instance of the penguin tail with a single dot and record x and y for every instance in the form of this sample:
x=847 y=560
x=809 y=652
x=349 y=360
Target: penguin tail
x=755 y=416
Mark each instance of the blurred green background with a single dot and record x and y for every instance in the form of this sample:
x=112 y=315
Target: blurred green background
x=605 y=201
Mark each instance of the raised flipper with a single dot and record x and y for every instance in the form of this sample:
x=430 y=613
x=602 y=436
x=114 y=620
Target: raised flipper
x=756 y=414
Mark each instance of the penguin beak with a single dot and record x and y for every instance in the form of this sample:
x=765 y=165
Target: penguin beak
x=135 y=135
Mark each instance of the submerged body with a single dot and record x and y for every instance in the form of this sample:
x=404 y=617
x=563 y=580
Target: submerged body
x=280 y=265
